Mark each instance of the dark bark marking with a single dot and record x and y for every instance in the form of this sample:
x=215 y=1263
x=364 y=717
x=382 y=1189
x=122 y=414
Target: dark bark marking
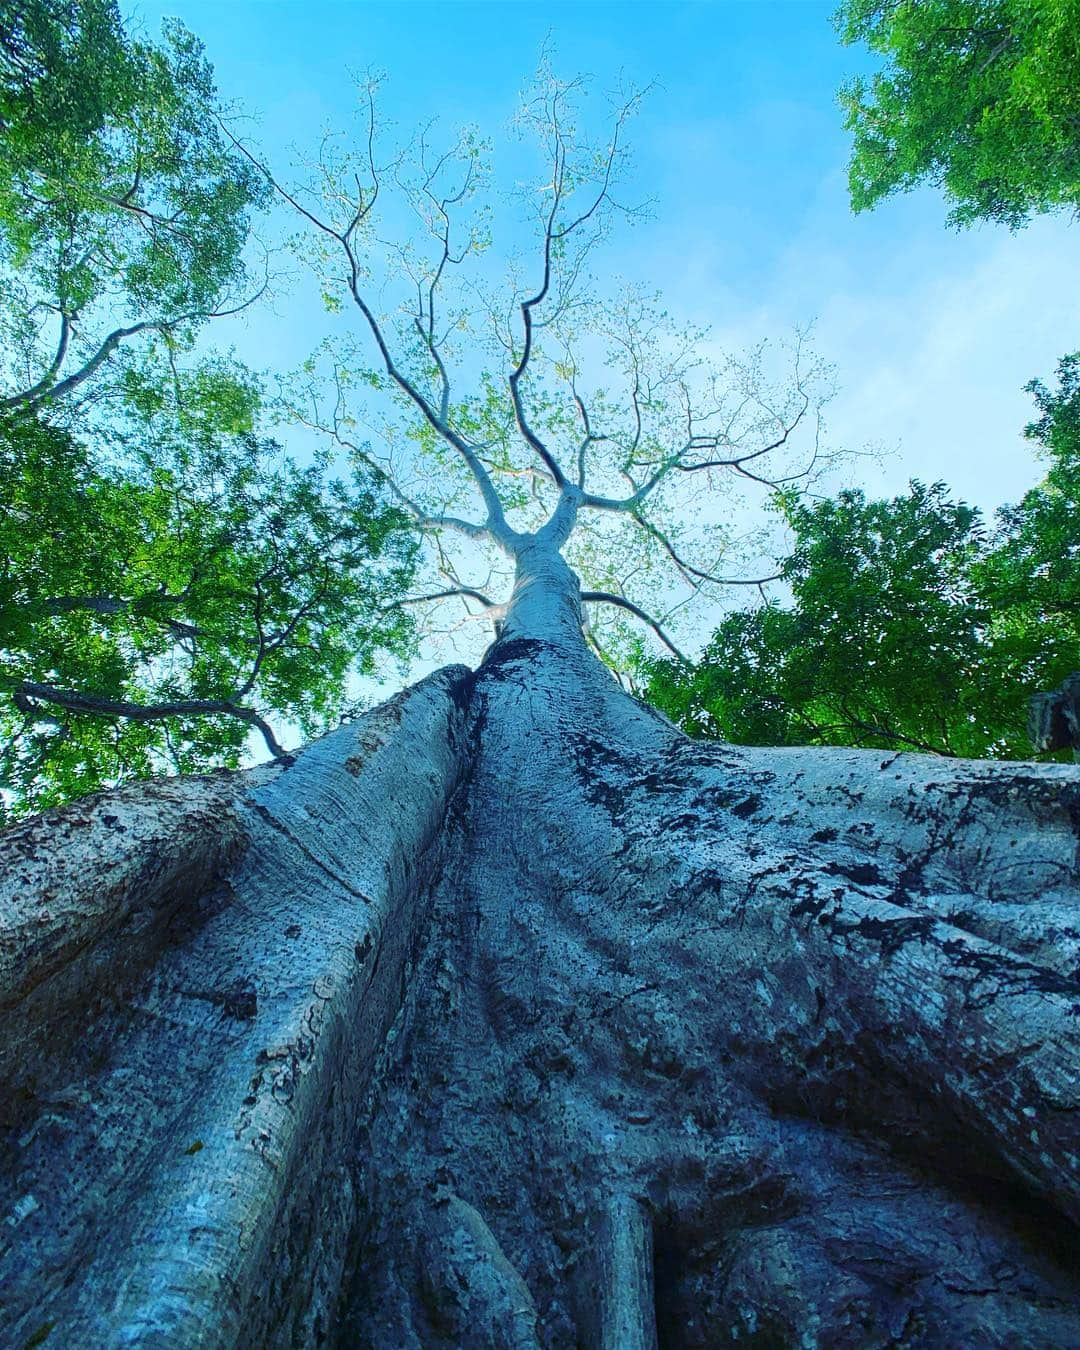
x=266 y=814
x=862 y=874
x=507 y=651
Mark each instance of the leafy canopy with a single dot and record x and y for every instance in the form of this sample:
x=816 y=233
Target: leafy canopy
x=978 y=97
x=911 y=625
x=169 y=578
x=153 y=611
x=124 y=210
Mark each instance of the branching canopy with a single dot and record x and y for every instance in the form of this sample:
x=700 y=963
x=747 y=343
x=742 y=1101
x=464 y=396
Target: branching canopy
x=546 y=408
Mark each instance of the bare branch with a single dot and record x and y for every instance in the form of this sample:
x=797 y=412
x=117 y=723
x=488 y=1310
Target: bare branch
x=853 y=723
x=554 y=234
x=45 y=383
x=496 y=520
x=426 y=520
x=675 y=461
x=631 y=503
x=448 y=594
x=688 y=569
x=492 y=609
x=46 y=389
x=607 y=598
x=737 y=461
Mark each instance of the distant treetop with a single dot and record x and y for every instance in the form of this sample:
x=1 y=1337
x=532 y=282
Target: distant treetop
x=979 y=97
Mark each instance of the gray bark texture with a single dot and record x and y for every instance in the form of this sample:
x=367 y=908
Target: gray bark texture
x=509 y=1016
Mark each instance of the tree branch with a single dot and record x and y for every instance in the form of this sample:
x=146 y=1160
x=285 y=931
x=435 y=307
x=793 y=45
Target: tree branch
x=448 y=594
x=607 y=598
x=496 y=522
x=688 y=568
x=737 y=461
x=28 y=691
x=553 y=236
x=43 y=389
x=46 y=389
x=45 y=383
x=423 y=518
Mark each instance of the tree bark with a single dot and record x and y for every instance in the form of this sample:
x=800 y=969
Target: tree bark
x=509 y=1016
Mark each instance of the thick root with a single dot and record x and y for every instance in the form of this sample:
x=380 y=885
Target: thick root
x=625 y=1258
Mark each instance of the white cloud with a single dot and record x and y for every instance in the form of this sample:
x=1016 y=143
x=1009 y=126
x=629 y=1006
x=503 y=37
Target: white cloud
x=938 y=370
x=933 y=334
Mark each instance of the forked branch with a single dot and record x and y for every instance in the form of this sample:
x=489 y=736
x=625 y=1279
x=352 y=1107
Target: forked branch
x=345 y=236
x=554 y=237
x=48 y=388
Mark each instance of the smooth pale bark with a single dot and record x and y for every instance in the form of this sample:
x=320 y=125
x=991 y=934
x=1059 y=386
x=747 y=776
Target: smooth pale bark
x=516 y=1018
x=189 y=1181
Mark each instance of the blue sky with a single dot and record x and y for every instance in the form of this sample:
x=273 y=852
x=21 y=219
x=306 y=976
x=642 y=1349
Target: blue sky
x=933 y=333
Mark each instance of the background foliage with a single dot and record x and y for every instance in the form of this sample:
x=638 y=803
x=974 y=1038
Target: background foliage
x=980 y=97
x=169 y=577
x=912 y=625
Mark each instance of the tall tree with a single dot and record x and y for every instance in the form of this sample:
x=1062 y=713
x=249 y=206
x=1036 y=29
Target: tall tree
x=170 y=579
x=979 y=97
x=510 y=1015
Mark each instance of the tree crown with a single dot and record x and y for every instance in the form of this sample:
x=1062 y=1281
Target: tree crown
x=979 y=97
x=547 y=410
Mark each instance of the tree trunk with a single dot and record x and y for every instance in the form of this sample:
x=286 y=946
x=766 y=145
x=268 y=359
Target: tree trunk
x=509 y=1016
